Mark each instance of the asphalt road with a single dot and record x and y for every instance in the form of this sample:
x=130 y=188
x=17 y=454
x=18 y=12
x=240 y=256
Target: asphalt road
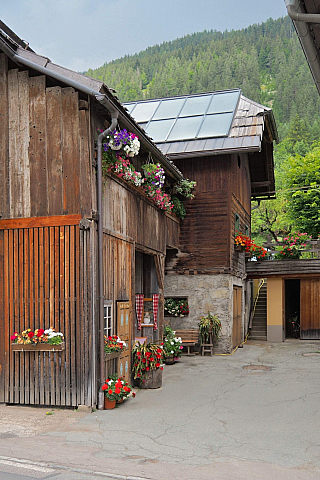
x=252 y=415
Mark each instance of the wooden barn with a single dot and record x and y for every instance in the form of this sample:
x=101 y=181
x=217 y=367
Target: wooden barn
x=224 y=142
x=76 y=247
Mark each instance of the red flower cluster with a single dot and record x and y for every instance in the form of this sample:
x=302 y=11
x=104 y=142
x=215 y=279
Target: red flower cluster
x=116 y=388
x=248 y=245
x=146 y=358
x=113 y=344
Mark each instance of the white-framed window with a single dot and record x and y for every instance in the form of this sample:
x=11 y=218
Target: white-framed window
x=107 y=315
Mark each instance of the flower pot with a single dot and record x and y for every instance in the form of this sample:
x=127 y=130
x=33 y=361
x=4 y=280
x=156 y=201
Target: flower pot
x=176 y=359
x=109 y=404
x=120 y=401
x=169 y=360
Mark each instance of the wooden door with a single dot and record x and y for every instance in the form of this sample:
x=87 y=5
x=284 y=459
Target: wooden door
x=310 y=308
x=42 y=284
x=124 y=332
x=237 y=314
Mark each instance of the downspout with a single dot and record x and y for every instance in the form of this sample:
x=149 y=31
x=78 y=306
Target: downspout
x=301 y=20
x=101 y=137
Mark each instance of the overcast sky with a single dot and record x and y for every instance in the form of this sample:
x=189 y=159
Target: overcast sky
x=82 y=34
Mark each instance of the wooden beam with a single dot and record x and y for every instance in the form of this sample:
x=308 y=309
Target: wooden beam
x=54 y=221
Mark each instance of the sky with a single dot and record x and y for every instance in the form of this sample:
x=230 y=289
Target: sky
x=82 y=34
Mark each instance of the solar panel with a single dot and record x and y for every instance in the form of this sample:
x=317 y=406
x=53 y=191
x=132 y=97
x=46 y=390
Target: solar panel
x=188 y=117
x=159 y=129
x=169 y=109
x=185 y=128
x=219 y=124
x=142 y=112
x=223 y=102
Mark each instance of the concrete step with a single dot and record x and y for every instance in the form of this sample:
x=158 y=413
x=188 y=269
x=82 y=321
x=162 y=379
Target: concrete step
x=258 y=337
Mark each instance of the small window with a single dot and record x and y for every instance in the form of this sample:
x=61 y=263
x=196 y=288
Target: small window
x=176 y=307
x=237 y=223
x=247 y=231
x=107 y=314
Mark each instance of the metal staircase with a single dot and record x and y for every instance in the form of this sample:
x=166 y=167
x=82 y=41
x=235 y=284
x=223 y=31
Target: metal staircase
x=259 y=321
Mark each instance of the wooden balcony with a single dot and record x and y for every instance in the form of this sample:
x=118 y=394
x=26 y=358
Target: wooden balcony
x=287 y=268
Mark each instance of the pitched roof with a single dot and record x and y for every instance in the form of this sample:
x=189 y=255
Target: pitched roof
x=237 y=125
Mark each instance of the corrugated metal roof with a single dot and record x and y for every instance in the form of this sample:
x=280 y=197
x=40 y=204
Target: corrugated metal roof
x=245 y=132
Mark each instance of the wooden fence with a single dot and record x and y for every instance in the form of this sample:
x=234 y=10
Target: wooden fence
x=44 y=278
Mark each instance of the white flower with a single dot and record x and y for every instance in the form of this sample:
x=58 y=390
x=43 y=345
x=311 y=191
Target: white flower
x=172 y=351
x=172 y=343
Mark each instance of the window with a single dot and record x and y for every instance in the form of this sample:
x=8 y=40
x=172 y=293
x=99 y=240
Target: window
x=237 y=223
x=107 y=315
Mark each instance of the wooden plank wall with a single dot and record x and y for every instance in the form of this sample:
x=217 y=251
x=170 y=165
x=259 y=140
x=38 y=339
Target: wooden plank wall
x=45 y=147
x=129 y=213
x=310 y=308
x=44 y=282
x=204 y=238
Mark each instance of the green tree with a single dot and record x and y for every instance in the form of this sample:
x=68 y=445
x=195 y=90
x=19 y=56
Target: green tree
x=302 y=182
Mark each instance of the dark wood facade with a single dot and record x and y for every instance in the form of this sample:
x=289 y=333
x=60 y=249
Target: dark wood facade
x=208 y=231
x=48 y=237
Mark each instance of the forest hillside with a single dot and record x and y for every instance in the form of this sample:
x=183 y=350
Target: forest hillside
x=264 y=60
x=267 y=62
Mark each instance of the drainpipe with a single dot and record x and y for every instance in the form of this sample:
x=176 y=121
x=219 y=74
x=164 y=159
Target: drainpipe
x=301 y=21
x=101 y=137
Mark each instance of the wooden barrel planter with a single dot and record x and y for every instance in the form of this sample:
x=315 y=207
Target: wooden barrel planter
x=37 y=347
x=150 y=379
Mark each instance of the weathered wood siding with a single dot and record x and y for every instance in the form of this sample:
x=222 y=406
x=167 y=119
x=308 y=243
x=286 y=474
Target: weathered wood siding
x=44 y=282
x=127 y=211
x=45 y=148
x=310 y=308
x=208 y=231
x=205 y=231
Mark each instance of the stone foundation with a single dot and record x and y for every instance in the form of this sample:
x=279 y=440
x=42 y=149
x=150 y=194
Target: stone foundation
x=208 y=293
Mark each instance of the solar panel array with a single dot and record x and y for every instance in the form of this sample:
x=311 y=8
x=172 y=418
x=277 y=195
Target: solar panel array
x=187 y=117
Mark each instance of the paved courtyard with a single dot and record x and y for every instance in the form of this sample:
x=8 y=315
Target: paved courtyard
x=252 y=415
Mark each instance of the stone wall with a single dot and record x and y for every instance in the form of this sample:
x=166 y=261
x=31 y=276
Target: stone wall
x=208 y=293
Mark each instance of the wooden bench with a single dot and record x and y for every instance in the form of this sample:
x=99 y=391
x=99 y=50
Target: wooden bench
x=189 y=338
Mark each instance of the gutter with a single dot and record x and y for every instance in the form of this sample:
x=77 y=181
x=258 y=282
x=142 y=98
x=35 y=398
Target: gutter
x=301 y=20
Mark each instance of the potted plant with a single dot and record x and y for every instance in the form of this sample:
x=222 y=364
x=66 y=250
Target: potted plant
x=209 y=325
x=115 y=391
x=172 y=345
x=148 y=364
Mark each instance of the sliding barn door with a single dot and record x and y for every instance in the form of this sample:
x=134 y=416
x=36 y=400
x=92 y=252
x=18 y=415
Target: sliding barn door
x=43 y=284
x=310 y=308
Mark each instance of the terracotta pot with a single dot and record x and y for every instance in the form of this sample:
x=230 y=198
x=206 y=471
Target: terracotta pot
x=120 y=401
x=109 y=404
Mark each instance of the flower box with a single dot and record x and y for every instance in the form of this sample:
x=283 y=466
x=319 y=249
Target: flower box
x=112 y=355
x=37 y=347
